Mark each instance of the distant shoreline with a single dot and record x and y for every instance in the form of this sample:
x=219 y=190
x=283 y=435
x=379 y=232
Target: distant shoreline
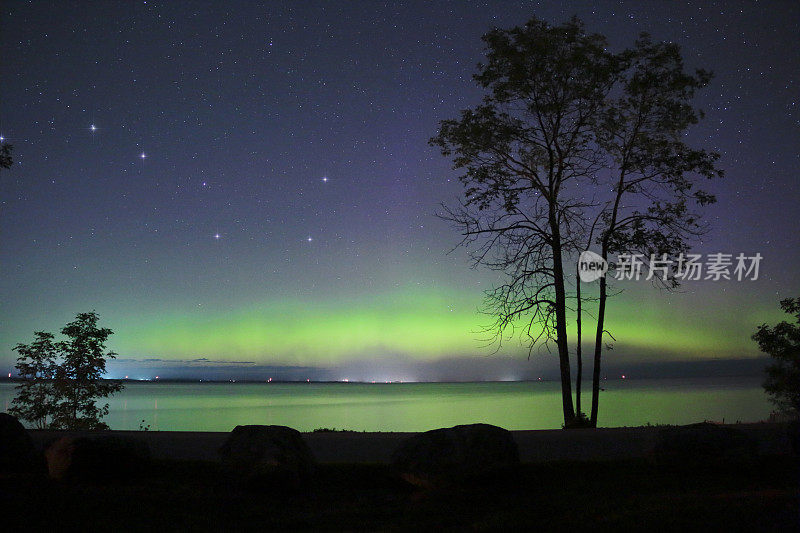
x=129 y=381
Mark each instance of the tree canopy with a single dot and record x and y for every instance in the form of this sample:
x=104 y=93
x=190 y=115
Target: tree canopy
x=6 y=159
x=782 y=343
x=62 y=380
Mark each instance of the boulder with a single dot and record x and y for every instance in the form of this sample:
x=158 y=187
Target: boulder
x=268 y=458
x=97 y=458
x=18 y=455
x=454 y=455
x=703 y=443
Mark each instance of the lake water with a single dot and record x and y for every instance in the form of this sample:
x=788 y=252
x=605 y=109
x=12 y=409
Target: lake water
x=423 y=406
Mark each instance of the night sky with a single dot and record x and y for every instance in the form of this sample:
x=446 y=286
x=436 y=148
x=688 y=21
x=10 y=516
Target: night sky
x=247 y=191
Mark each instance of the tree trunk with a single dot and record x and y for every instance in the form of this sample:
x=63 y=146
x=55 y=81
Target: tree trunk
x=601 y=306
x=578 y=354
x=598 y=346
x=561 y=324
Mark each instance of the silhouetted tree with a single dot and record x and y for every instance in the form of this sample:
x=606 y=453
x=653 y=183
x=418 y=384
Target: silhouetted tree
x=79 y=376
x=62 y=380
x=6 y=160
x=572 y=145
x=782 y=343
x=36 y=366
x=526 y=150
x=653 y=209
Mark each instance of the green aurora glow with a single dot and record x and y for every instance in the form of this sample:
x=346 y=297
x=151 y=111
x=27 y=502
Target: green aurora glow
x=421 y=325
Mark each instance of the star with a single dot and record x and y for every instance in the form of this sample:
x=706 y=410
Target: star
x=142 y=155
x=309 y=239
x=325 y=179
x=2 y=138
x=216 y=236
x=93 y=128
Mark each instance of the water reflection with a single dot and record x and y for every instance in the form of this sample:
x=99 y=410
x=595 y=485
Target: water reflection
x=422 y=406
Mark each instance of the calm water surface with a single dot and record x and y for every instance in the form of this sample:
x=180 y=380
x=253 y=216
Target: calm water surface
x=423 y=406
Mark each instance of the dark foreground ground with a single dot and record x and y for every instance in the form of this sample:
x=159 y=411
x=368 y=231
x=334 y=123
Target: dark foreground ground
x=535 y=446
x=760 y=494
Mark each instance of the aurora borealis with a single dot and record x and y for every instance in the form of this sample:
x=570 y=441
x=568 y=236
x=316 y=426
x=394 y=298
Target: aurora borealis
x=283 y=212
